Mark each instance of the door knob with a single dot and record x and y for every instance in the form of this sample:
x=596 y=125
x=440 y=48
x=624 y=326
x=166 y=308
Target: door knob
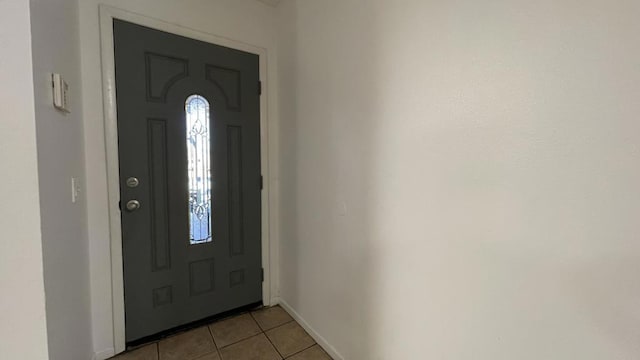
x=133 y=205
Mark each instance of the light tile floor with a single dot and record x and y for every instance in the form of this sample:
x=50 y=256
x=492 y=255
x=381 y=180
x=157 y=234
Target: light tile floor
x=265 y=334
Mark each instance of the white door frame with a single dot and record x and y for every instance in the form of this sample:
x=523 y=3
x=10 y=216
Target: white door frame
x=107 y=14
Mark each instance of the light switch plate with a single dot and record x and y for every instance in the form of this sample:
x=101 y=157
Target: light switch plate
x=60 y=93
x=75 y=190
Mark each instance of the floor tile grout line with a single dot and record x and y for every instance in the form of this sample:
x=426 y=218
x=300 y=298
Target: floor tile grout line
x=260 y=331
x=241 y=340
x=303 y=350
x=247 y=338
x=274 y=346
x=254 y=319
x=215 y=344
x=212 y=338
x=257 y=322
x=287 y=323
x=270 y=307
x=281 y=325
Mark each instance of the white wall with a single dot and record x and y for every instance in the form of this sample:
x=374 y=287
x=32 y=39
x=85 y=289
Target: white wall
x=55 y=43
x=247 y=21
x=488 y=157
x=22 y=304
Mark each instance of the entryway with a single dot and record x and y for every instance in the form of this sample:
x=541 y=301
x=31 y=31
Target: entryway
x=188 y=118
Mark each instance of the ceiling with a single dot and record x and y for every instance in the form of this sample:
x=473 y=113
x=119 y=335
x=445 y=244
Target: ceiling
x=270 y=2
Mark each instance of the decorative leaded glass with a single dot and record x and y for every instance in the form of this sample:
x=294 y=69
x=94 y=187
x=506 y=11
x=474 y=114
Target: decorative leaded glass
x=199 y=169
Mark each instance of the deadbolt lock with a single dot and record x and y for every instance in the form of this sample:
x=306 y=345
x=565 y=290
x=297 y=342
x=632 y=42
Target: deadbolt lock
x=133 y=182
x=133 y=205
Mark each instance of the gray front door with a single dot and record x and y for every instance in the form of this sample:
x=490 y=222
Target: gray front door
x=189 y=152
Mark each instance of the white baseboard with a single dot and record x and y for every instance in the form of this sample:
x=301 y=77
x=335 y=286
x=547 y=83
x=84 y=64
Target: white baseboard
x=314 y=334
x=104 y=354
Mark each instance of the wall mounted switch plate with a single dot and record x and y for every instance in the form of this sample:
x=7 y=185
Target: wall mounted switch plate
x=60 y=93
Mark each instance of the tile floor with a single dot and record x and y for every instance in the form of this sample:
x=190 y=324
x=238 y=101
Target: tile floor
x=265 y=334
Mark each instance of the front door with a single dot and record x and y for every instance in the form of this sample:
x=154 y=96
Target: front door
x=189 y=153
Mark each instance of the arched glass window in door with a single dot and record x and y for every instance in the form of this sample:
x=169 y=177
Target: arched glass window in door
x=199 y=169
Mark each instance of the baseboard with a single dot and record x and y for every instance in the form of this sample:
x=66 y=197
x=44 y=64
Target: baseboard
x=104 y=354
x=314 y=334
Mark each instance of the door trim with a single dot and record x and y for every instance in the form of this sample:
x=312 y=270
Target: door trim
x=107 y=14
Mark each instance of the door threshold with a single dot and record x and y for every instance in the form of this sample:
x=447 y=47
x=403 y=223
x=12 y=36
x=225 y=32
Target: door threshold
x=131 y=345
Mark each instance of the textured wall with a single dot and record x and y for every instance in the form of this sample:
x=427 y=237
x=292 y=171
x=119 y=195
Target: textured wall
x=22 y=303
x=56 y=43
x=460 y=178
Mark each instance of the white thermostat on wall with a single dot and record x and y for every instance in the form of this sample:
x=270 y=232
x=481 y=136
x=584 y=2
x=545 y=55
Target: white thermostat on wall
x=60 y=93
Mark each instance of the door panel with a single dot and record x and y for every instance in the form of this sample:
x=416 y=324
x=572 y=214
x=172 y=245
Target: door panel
x=179 y=267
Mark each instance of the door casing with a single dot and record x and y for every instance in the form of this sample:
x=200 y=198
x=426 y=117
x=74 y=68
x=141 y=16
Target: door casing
x=107 y=14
